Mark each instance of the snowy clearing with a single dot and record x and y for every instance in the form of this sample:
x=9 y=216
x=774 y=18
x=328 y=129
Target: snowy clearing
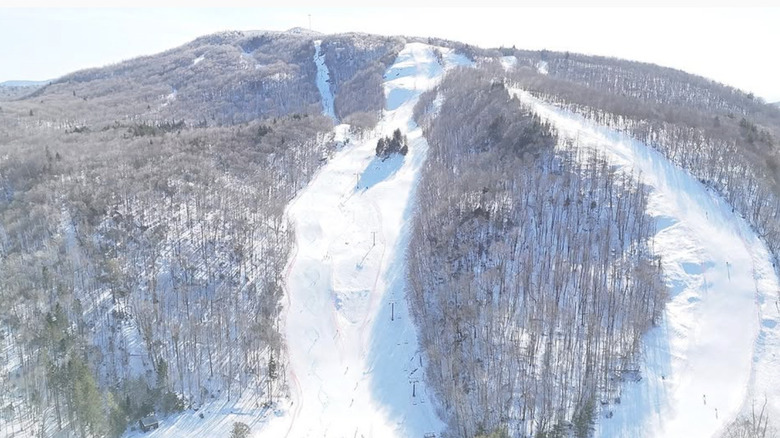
x=713 y=353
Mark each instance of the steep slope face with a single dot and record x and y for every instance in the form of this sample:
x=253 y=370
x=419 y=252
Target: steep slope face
x=710 y=356
x=355 y=367
x=173 y=228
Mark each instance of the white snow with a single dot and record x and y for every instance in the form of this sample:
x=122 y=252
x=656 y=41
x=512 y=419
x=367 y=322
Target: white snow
x=716 y=348
x=323 y=82
x=198 y=60
x=217 y=421
x=168 y=98
x=247 y=60
x=508 y=62
x=541 y=67
x=355 y=366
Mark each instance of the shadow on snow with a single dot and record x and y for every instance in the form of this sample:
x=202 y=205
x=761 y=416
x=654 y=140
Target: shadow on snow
x=379 y=170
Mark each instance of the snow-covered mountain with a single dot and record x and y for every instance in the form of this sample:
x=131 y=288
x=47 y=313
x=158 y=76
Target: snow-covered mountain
x=561 y=245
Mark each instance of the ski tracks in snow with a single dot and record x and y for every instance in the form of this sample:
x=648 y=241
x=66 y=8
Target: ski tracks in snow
x=715 y=350
x=354 y=362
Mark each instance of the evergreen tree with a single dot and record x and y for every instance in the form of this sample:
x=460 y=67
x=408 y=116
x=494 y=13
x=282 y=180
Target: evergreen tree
x=240 y=430
x=498 y=433
x=87 y=400
x=584 y=419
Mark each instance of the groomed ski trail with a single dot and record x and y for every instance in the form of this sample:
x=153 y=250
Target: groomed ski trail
x=354 y=365
x=713 y=354
x=323 y=82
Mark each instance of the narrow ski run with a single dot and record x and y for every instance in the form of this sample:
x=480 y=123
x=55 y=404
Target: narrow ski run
x=354 y=365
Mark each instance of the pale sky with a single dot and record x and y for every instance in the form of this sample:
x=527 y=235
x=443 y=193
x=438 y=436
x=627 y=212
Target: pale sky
x=736 y=46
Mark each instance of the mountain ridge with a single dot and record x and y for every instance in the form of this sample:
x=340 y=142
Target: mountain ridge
x=22 y=83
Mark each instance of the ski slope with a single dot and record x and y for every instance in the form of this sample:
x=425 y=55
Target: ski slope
x=716 y=350
x=323 y=82
x=354 y=364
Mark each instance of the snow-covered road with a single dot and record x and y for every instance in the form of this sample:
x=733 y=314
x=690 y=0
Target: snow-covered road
x=354 y=362
x=716 y=349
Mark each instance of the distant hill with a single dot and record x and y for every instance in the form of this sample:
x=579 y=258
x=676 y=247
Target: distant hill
x=23 y=83
x=10 y=90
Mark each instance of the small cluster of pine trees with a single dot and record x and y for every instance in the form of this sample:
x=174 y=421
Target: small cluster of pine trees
x=395 y=144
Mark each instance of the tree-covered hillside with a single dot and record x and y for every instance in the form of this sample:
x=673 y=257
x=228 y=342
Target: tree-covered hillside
x=531 y=275
x=725 y=137
x=142 y=231
x=145 y=242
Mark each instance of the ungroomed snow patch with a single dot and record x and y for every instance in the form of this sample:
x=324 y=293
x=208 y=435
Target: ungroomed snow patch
x=715 y=350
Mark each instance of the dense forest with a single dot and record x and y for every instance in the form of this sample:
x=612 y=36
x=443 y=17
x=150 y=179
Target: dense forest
x=151 y=260
x=500 y=261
